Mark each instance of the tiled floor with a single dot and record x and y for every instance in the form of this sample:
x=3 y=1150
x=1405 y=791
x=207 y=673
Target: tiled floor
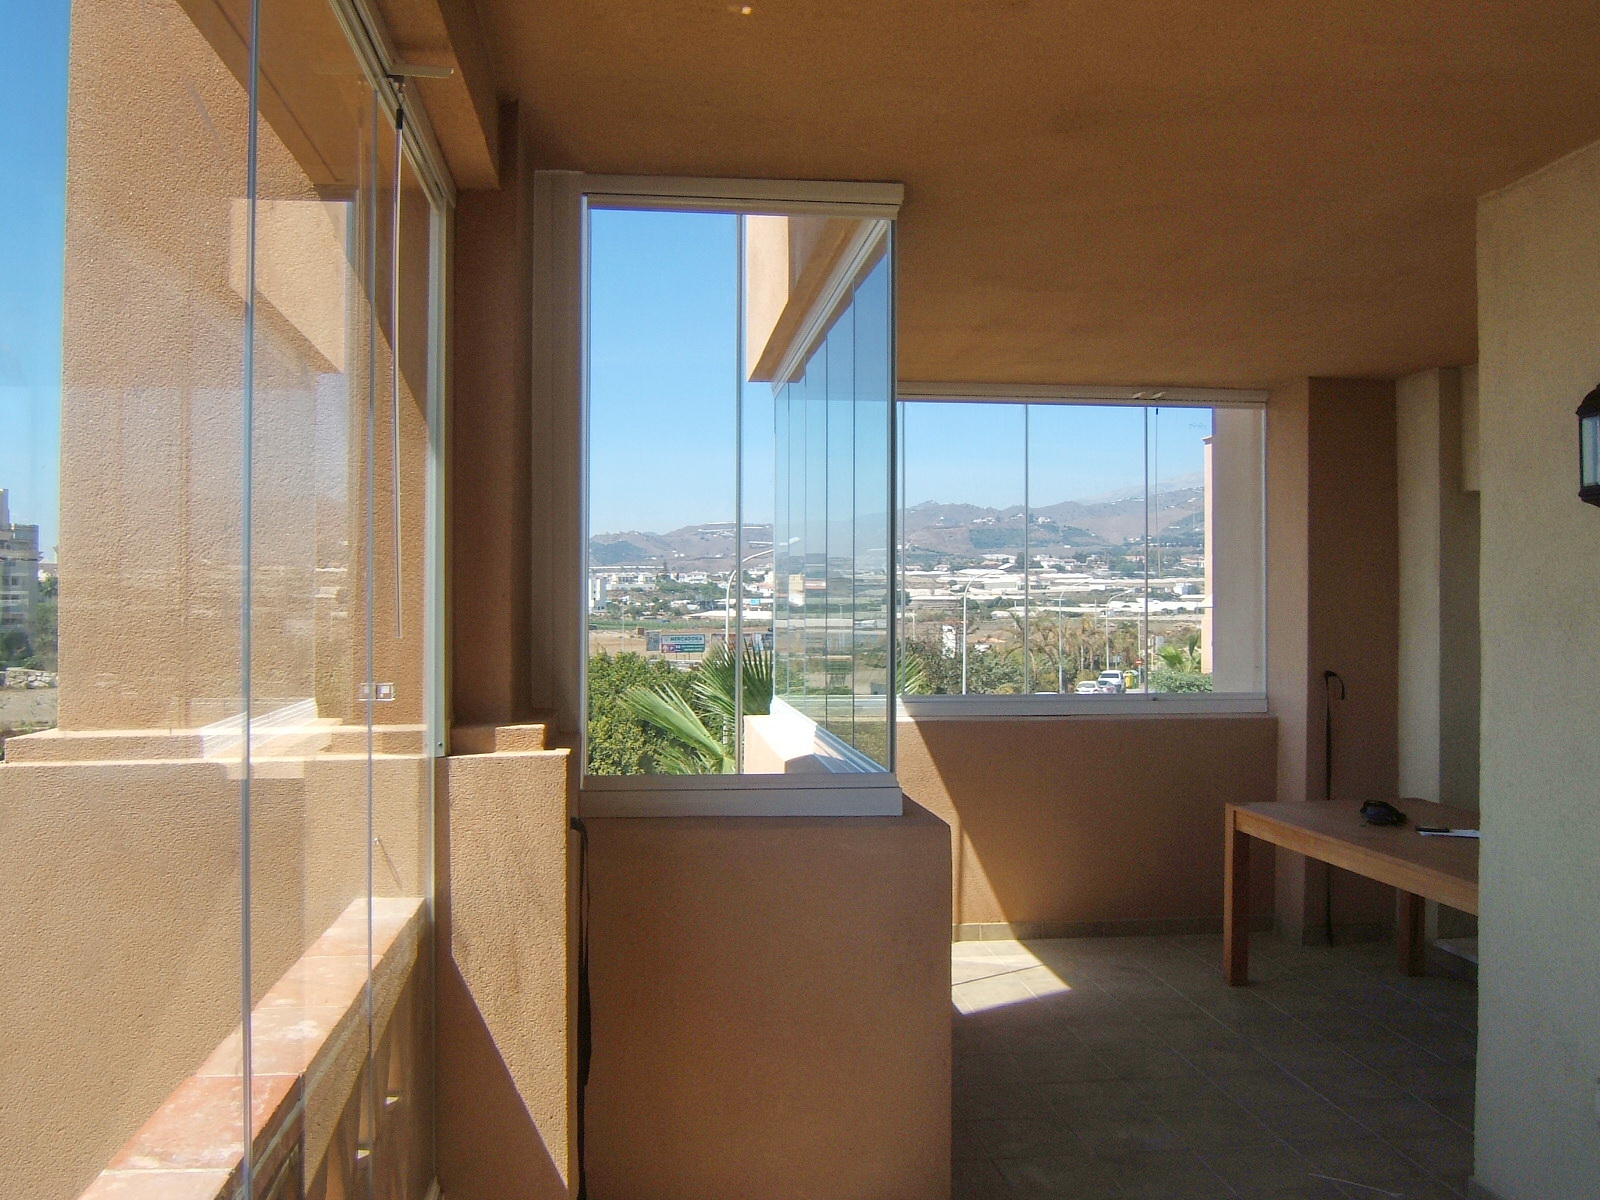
x=1123 y=1067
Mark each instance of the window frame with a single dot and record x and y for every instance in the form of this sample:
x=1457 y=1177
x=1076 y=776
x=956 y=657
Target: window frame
x=1132 y=704
x=562 y=203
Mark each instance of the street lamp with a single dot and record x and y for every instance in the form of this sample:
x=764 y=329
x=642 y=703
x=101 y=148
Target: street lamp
x=727 y=595
x=964 y=637
x=727 y=591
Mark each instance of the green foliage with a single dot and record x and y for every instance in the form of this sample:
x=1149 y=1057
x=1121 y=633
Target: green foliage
x=1165 y=679
x=42 y=631
x=620 y=743
x=691 y=748
x=646 y=718
x=16 y=648
x=989 y=672
x=1180 y=669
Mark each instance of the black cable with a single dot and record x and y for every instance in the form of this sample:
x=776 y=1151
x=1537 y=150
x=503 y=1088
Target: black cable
x=585 y=1047
x=1327 y=789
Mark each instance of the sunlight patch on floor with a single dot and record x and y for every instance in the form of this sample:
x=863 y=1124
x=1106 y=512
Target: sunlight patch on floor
x=985 y=975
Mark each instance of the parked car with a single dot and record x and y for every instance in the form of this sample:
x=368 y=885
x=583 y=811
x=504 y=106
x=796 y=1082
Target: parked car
x=1089 y=687
x=1112 y=681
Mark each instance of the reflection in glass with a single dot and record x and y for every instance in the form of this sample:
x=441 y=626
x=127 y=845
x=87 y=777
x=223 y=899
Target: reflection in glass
x=246 y=392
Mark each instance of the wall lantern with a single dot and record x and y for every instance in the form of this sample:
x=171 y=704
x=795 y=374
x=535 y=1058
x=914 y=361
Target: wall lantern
x=1589 y=448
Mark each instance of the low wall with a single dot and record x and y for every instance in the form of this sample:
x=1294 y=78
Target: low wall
x=1088 y=824
x=121 y=948
x=771 y=1008
x=505 y=978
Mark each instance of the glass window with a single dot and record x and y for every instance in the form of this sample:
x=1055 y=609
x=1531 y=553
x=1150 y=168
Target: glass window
x=739 y=418
x=1082 y=549
x=213 y=498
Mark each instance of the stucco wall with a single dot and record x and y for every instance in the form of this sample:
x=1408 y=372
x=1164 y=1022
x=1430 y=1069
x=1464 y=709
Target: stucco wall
x=1332 y=604
x=505 y=978
x=1106 y=822
x=1438 y=676
x=1538 y=1050
x=771 y=1008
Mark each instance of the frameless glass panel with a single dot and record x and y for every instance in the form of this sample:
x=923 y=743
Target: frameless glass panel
x=738 y=358
x=338 y=472
x=836 y=398
x=244 y=420
x=1143 y=538
x=964 y=530
x=1087 y=515
x=837 y=374
x=1170 y=657
x=121 y=460
x=873 y=600
x=663 y=547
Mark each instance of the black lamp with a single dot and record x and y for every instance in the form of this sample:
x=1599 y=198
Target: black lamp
x=1589 y=448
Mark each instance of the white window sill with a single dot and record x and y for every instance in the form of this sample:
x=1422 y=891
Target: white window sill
x=1135 y=704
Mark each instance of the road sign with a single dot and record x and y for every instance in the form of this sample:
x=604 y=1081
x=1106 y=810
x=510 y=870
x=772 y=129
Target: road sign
x=683 y=643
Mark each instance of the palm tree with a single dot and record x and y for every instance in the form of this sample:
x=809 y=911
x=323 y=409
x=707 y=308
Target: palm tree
x=1182 y=655
x=700 y=716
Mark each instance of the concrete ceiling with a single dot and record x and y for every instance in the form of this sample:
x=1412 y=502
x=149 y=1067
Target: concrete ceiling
x=1116 y=191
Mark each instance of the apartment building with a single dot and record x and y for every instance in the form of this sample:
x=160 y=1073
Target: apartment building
x=314 y=890
x=19 y=569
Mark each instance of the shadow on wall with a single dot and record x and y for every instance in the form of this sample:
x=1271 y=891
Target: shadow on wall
x=1090 y=824
x=503 y=993
x=497 y=1148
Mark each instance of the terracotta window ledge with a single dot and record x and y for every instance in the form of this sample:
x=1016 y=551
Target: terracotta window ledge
x=191 y=1148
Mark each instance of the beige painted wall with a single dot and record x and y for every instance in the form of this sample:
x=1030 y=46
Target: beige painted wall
x=506 y=977
x=771 y=1008
x=491 y=446
x=1332 y=585
x=1233 y=630
x=1539 y=984
x=1438 y=655
x=1106 y=822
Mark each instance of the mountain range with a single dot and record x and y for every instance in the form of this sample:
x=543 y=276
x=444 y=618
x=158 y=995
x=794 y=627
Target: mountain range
x=955 y=530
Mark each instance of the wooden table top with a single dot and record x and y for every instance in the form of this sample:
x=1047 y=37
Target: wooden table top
x=1443 y=869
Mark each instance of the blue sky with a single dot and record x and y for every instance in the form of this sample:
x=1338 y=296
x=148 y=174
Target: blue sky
x=33 y=121
x=663 y=374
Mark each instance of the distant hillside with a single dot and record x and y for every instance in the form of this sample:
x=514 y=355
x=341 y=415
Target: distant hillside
x=705 y=547
x=1058 y=528
x=960 y=530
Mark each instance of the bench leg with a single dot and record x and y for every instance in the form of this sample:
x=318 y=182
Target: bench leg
x=1236 y=907
x=1409 y=932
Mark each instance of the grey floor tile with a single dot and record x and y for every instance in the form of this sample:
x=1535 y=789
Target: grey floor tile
x=1367 y=1162
x=1317 y=1121
x=1027 y=1137
x=1075 y=1176
x=978 y=1180
x=1150 y=1078
x=1159 y=1175
x=1130 y=1136
x=1222 y=1129
x=1277 y=1166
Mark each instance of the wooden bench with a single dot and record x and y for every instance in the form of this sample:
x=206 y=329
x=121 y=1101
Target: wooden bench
x=1419 y=868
